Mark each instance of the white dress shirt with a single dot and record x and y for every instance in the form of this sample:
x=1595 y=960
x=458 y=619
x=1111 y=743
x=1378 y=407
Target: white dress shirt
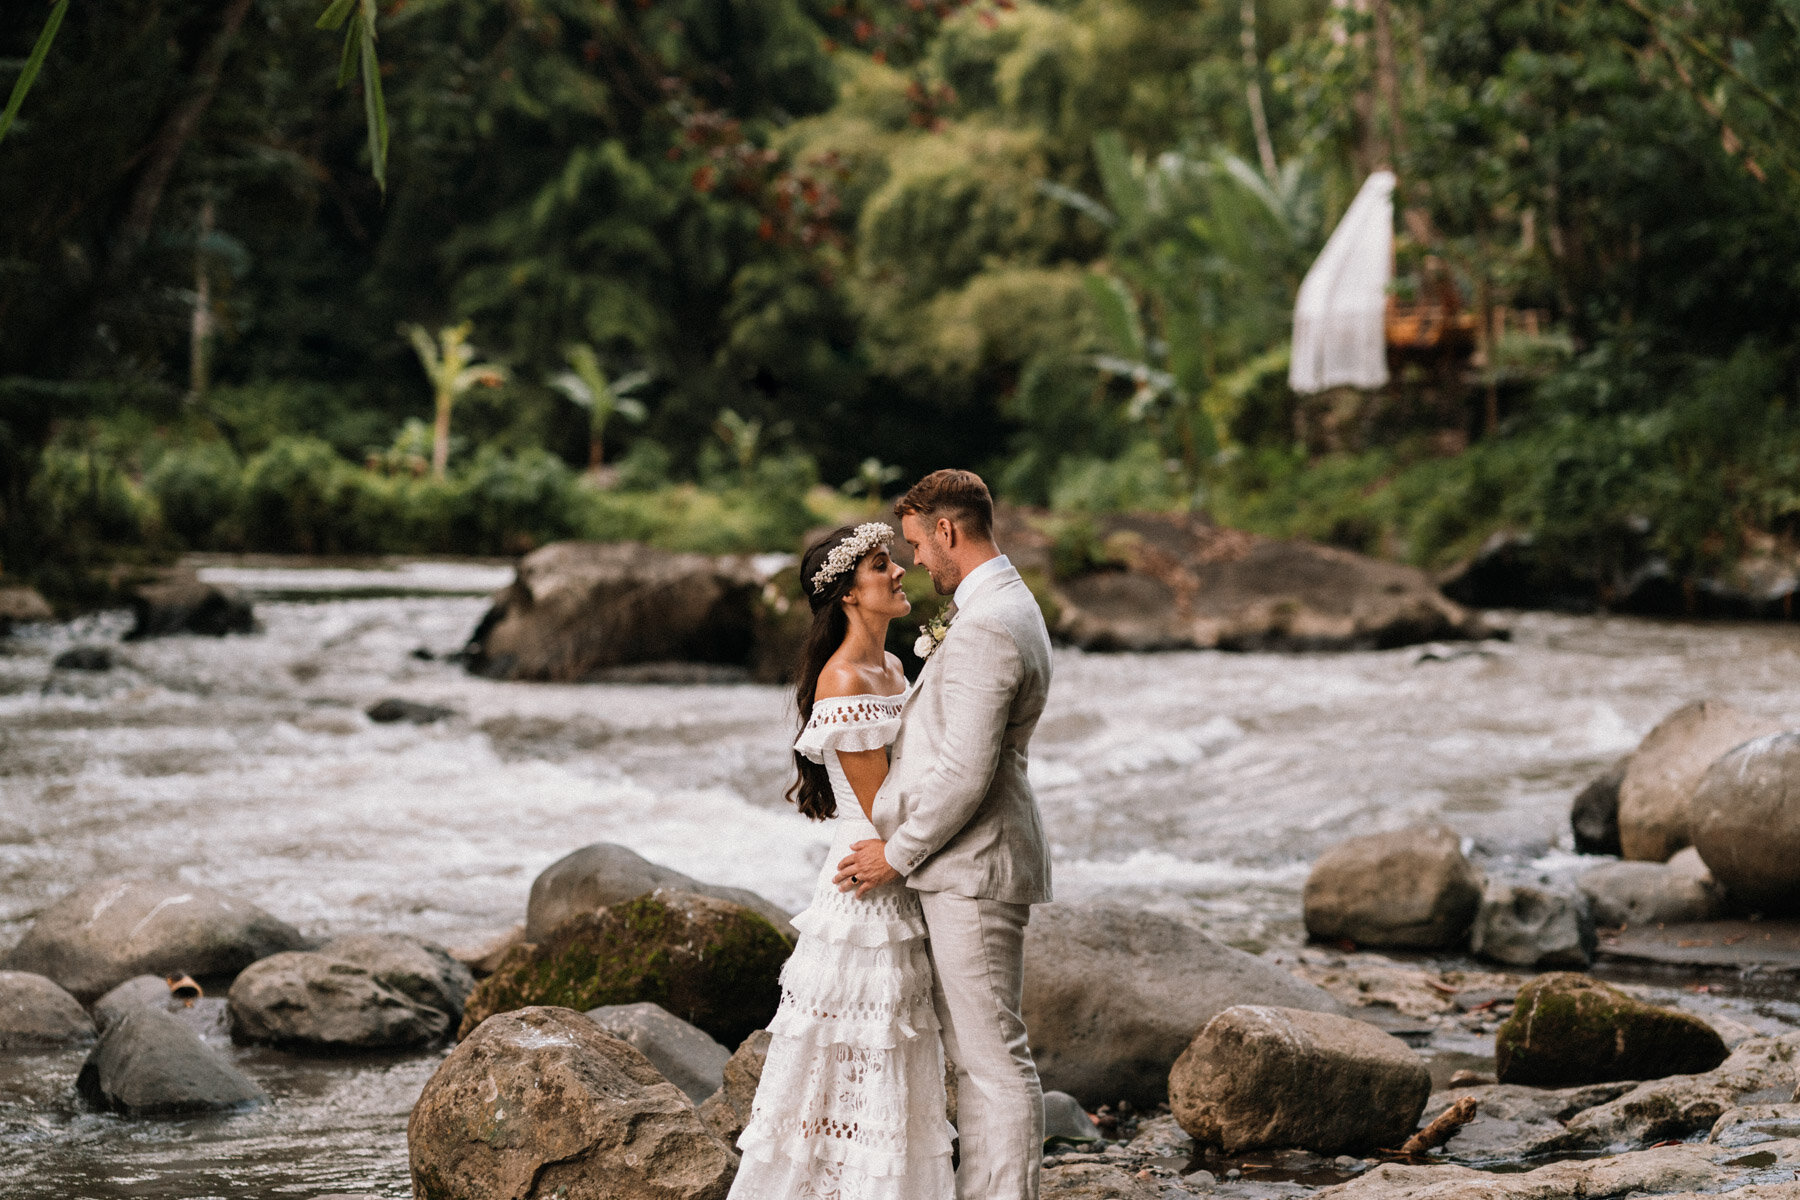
x=972 y=580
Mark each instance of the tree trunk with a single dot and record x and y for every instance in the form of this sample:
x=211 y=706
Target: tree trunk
x=200 y=337
x=172 y=139
x=440 y=435
x=1259 y=117
x=1387 y=83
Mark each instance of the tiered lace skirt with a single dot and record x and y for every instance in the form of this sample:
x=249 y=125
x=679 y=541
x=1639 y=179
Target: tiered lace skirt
x=851 y=1102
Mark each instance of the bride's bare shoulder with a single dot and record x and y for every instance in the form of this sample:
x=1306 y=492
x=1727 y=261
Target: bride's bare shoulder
x=840 y=679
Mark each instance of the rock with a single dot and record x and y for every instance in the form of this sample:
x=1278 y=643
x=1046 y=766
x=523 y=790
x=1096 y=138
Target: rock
x=1746 y=822
x=84 y=658
x=1513 y=1122
x=311 y=1001
x=149 y=1063
x=1570 y=1029
x=686 y=1057
x=1533 y=925
x=101 y=935
x=386 y=712
x=178 y=602
x=1065 y=1120
x=1595 y=814
x=1190 y=585
x=1162 y=1137
x=1095 y=1181
x=1666 y=769
x=543 y=1103
x=604 y=874
x=1664 y=1170
x=19 y=605
x=422 y=971
x=1512 y=570
x=485 y=958
x=1114 y=994
x=1412 y=888
x=1644 y=893
x=727 y=1110
x=1754 y=1123
x=1680 y=1105
x=577 y=608
x=34 y=1013
x=709 y=962
x=1260 y=1077
x=140 y=991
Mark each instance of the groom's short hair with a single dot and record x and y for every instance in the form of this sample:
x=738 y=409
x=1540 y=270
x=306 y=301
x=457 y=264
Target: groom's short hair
x=959 y=495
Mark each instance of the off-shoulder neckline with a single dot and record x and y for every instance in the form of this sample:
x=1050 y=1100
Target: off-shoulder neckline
x=862 y=696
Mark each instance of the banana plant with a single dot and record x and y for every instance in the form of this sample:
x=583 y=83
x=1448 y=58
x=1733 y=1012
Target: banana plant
x=743 y=438
x=586 y=384
x=449 y=362
x=871 y=477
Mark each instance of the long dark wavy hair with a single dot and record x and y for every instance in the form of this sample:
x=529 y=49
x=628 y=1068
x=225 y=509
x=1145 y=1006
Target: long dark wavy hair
x=811 y=791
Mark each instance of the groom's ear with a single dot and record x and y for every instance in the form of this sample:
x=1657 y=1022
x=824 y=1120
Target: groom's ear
x=947 y=532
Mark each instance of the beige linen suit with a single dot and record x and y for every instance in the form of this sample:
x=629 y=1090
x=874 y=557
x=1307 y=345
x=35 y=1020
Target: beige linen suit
x=961 y=824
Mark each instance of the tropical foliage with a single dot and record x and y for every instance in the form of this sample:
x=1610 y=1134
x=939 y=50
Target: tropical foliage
x=714 y=252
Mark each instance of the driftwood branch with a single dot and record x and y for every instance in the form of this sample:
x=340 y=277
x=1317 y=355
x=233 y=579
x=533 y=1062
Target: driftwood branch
x=1442 y=1128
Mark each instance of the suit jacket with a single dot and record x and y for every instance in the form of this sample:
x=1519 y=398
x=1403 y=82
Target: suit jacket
x=956 y=809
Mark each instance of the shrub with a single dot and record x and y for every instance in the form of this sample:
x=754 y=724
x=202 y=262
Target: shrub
x=199 y=488
x=299 y=497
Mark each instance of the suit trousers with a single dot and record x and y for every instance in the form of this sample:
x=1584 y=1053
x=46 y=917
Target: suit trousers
x=978 y=949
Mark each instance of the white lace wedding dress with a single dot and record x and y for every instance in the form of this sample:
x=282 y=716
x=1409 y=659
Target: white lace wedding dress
x=851 y=1103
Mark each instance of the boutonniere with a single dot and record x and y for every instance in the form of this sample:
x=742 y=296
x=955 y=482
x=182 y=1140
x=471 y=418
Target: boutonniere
x=931 y=636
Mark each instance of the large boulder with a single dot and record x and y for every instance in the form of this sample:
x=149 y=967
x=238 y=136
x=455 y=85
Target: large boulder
x=1525 y=924
x=1113 y=995
x=606 y=873
x=149 y=1063
x=422 y=971
x=1645 y=893
x=1276 y=1078
x=710 y=962
x=727 y=1110
x=1594 y=816
x=178 y=602
x=687 y=1058
x=1680 y=1105
x=1746 y=822
x=578 y=608
x=315 y=1002
x=1412 y=888
x=1675 y=1172
x=103 y=934
x=1186 y=584
x=21 y=605
x=1666 y=769
x=1568 y=1029
x=34 y=1012
x=542 y=1103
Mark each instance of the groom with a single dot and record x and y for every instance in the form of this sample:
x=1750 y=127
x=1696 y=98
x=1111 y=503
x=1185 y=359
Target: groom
x=962 y=825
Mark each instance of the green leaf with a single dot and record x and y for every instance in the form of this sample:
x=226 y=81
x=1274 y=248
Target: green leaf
x=1124 y=190
x=32 y=65
x=1117 y=311
x=374 y=107
x=334 y=16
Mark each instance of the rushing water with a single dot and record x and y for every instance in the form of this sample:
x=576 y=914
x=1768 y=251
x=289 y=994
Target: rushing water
x=1204 y=782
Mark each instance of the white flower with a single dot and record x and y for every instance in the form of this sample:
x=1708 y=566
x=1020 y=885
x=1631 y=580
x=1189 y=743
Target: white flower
x=925 y=645
x=847 y=553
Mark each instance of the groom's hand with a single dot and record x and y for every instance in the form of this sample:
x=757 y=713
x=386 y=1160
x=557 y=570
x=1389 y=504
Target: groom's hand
x=866 y=868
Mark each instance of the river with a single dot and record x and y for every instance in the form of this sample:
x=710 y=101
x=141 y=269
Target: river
x=1203 y=782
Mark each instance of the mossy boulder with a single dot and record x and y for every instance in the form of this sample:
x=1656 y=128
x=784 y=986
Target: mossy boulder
x=712 y=963
x=1569 y=1029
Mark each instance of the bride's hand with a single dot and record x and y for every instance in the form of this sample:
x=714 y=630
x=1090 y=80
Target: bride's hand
x=866 y=869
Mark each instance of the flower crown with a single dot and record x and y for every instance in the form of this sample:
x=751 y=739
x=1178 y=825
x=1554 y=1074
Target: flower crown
x=846 y=554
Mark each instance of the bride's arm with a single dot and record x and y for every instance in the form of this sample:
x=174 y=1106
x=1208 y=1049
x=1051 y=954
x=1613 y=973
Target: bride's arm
x=865 y=769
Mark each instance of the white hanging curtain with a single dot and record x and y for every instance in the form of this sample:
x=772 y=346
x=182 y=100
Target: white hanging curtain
x=1339 y=337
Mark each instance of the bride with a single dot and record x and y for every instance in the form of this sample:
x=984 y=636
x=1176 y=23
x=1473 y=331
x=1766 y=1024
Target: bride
x=851 y=1103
